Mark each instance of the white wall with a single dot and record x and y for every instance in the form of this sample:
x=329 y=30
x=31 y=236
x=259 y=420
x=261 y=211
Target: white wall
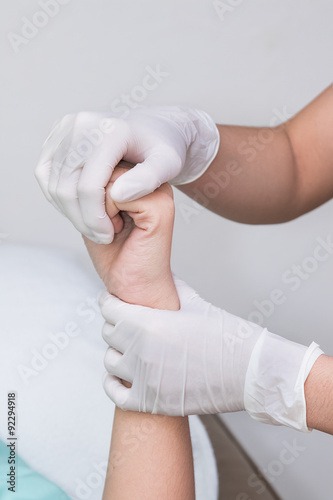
x=262 y=57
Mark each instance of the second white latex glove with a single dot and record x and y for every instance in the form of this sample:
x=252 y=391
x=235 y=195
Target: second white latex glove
x=165 y=144
x=201 y=359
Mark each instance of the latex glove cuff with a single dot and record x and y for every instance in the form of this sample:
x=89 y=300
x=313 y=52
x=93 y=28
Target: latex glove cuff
x=203 y=140
x=274 y=384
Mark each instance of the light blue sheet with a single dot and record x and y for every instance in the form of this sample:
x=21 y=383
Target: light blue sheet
x=30 y=485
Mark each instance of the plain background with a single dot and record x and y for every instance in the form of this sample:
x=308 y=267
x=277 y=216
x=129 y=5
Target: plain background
x=261 y=59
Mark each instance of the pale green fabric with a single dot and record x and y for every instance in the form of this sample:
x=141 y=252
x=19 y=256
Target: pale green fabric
x=30 y=485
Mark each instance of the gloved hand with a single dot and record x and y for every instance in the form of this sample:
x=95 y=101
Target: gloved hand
x=166 y=144
x=201 y=359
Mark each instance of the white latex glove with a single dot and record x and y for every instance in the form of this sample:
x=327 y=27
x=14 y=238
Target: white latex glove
x=166 y=144
x=201 y=359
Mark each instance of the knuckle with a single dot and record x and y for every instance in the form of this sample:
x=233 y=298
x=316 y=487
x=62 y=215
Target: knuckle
x=176 y=159
x=80 y=117
x=147 y=335
x=39 y=172
x=109 y=361
x=62 y=124
x=135 y=327
x=101 y=298
x=83 y=189
x=120 y=124
x=67 y=116
x=107 y=365
x=105 y=310
x=108 y=392
x=64 y=194
x=52 y=192
x=120 y=399
x=106 y=332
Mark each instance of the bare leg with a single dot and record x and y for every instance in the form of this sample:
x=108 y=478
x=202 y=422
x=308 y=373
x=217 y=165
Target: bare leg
x=150 y=455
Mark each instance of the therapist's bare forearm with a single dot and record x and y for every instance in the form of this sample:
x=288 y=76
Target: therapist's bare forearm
x=150 y=455
x=271 y=175
x=319 y=395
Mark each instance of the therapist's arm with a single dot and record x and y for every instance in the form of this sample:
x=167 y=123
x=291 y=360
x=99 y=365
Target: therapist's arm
x=271 y=175
x=318 y=390
x=150 y=455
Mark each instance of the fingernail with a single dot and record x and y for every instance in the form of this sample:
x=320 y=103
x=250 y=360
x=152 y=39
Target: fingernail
x=102 y=239
x=116 y=193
